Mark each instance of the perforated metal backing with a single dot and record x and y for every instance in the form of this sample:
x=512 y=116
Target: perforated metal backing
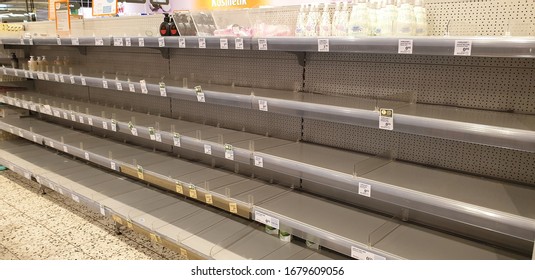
x=63 y=90
x=465 y=157
x=481 y=17
x=278 y=70
x=253 y=121
x=124 y=26
x=142 y=62
x=154 y=105
x=503 y=84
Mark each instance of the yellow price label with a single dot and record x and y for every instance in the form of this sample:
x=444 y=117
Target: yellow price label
x=193 y=193
x=178 y=188
x=129 y=225
x=233 y=207
x=155 y=238
x=183 y=252
x=208 y=198
x=117 y=219
x=140 y=172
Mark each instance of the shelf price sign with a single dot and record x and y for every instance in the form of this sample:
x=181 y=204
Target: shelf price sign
x=104 y=7
x=323 y=45
x=405 y=46
x=200 y=94
x=463 y=47
x=229 y=152
x=386 y=119
x=238 y=42
x=62 y=16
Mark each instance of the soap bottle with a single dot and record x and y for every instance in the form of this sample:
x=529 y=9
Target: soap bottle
x=172 y=28
x=44 y=64
x=32 y=64
x=372 y=14
x=38 y=64
x=301 y=21
x=336 y=18
x=359 y=24
x=406 y=23
x=325 y=25
x=14 y=61
x=343 y=20
x=386 y=19
x=311 y=27
x=420 y=16
x=164 y=26
x=58 y=61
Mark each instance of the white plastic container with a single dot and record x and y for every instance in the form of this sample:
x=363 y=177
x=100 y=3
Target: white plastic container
x=359 y=22
x=372 y=14
x=301 y=21
x=325 y=23
x=32 y=64
x=343 y=20
x=386 y=20
x=420 y=16
x=44 y=64
x=311 y=27
x=336 y=18
x=406 y=23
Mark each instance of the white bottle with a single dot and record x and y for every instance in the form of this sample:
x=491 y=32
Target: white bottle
x=359 y=22
x=420 y=16
x=44 y=64
x=301 y=21
x=325 y=23
x=32 y=64
x=372 y=14
x=343 y=20
x=406 y=23
x=311 y=27
x=335 y=19
x=39 y=64
x=387 y=19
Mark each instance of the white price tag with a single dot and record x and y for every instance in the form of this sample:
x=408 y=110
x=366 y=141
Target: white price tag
x=102 y=210
x=81 y=119
x=118 y=42
x=58 y=41
x=207 y=149
x=60 y=190
x=30 y=41
x=16 y=73
x=202 y=43
x=65 y=149
x=113 y=125
x=73 y=117
x=163 y=91
x=176 y=140
x=24 y=105
x=57 y=114
x=4 y=70
x=182 y=43
x=364 y=255
x=21 y=134
x=238 y=43
x=143 y=85
x=200 y=94
x=72 y=80
x=229 y=152
x=75 y=198
x=34 y=138
x=128 y=42
x=83 y=81
x=86 y=155
x=105 y=125
x=65 y=116
x=90 y=121
x=112 y=165
x=258 y=161
x=51 y=144
x=47 y=77
x=119 y=85
x=405 y=46
x=26 y=74
x=131 y=87
x=386 y=119
x=262 y=44
x=151 y=134
x=263 y=105
x=56 y=78
x=31 y=75
x=40 y=76
x=75 y=41
x=365 y=189
x=266 y=220
x=223 y=43
x=61 y=79
x=134 y=131
x=99 y=41
x=323 y=45
x=141 y=42
x=161 y=42
x=158 y=137
x=27 y=175
x=104 y=84
x=463 y=47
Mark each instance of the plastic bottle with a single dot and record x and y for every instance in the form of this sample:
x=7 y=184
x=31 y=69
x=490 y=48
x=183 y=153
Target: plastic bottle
x=164 y=26
x=325 y=23
x=32 y=64
x=58 y=61
x=335 y=19
x=44 y=64
x=420 y=16
x=343 y=20
x=386 y=19
x=39 y=64
x=66 y=61
x=406 y=24
x=172 y=28
x=311 y=27
x=372 y=14
x=14 y=61
x=301 y=21
x=359 y=22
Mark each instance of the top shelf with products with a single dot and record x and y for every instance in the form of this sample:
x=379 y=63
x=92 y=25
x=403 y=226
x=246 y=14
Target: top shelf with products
x=522 y=47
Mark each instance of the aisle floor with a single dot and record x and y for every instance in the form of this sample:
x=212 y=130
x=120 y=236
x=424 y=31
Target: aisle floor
x=51 y=226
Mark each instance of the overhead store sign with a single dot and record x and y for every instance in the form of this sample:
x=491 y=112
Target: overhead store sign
x=228 y=4
x=63 y=18
x=104 y=7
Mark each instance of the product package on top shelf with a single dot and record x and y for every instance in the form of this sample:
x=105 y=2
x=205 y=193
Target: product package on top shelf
x=184 y=23
x=204 y=22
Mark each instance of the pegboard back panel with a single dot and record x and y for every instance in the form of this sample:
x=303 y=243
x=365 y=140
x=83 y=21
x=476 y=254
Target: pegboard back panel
x=139 y=62
x=253 y=121
x=62 y=90
x=504 y=84
x=277 y=70
x=154 y=105
x=481 y=17
x=459 y=156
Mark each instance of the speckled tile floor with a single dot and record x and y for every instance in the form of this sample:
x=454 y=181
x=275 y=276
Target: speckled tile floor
x=35 y=226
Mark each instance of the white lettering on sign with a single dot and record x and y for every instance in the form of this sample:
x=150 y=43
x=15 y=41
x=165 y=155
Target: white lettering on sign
x=228 y=3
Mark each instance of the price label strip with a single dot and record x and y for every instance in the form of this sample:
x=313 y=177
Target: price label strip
x=208 y=198
x=192 y=191
x=163 y=91
x=258 y=161
x=141 y=42
x=202 y=43
x=386 y=119
x=151 y=133
x=323 y=45
x=119 y=85
x=140 y=172
x=200 y=94
x=207 y=149
x=178 y=187
x=262 y=44
x=143 y=84
x=182 y=43
x=266 y=219
x=229 y=152
x=360 y=254
x=405 y=46
x=118 y=42
x=161 y=42
x=365 y=189
x=132 y=128
x=176 y=140
x=233 y=207
x=263 y=105
x=223 y=43
x=238 y=43
x=463 y=48
x=128 y=42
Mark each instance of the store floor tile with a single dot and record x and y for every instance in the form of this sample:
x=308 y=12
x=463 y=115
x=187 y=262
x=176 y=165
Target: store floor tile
x=50 y=226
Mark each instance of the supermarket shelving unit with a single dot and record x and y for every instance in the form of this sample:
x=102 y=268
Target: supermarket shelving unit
x=460 y=158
